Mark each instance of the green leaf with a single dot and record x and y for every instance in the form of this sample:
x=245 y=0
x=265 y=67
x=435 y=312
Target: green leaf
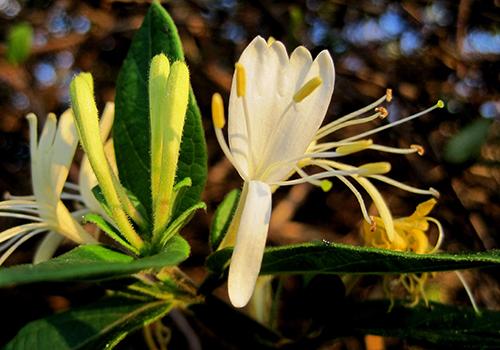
x=19 y=41
x=341 y=258
x=131 y=135
x=438 y=324
x=175 y=226
x=222 y=218
x=109 y=230
x=98 y=326
x=466 y=145
x=93 y=262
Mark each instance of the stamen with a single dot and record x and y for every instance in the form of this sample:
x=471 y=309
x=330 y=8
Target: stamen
x=71 y=196
x=374 y=168
x=439 y=104
x=419 y=149
x=307 y=89
x=431 y=191
x=396 y=150
x=440 y=234
x=270 y=41
x=17 y=244
x=372 y=191
x=240 y=80
x=469 y=292
x=218 y=111
x=325 y=185
x=310 y=178
x=19 y=209
x=227 y=152
x=359 y=198
x=71 y=186
x=354 y=147
x=347 y=117
x=9 y=196
x=383 y=112
x=336 y=127
x=21 y=216
x=388 y=95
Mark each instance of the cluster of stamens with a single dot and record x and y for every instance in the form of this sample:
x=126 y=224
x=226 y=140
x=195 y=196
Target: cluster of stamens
x=324 y=155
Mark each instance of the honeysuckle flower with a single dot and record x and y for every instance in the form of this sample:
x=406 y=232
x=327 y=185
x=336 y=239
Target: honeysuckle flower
x=276 y=107
x=51 y=158
x=410 y=236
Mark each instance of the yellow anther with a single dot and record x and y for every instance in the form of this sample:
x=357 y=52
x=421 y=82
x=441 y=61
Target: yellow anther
x=420 y=150
x=354 y=147
x=383 y=112
x=270 y=41
x=388 y=95
x=241 y=80
x=440 y=104
x=326 y=185
x=374 y=168
x=307 y=89
x=218 y=111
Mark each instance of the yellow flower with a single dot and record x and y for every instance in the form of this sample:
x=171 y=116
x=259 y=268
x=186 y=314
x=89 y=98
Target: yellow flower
x=410 y=236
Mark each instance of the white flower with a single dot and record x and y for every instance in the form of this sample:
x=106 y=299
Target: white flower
x=51 y=158
x=276 y=107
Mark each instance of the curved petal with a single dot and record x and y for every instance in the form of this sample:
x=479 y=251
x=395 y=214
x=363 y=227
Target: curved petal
x=87 y=180
x=294 y=134
x=63 y=151
x=47 y=247
x=265 y=66
x=250 y=243
x=279 y=129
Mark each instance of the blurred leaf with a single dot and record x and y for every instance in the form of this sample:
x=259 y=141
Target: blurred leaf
x=93 y=262
x=444 y=325
x=234 y=327
x=222 y=218
x=341 y=258
x=131 y=127
x=98 y=326
x=19 y=41
x=296 y=23
x=466 y=145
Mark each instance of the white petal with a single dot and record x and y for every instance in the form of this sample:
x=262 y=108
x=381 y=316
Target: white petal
x=40 y=163
x=280 y=129
x=47 y=247
x=19 y=230
x=250 y=243
x=264 y=66
x=63 y=151
x=16 y=245
x=87 y=180
x=294 y=135
x=67 y=226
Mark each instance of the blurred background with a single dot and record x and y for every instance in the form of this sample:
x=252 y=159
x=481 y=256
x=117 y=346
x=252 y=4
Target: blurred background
x=423 y=50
